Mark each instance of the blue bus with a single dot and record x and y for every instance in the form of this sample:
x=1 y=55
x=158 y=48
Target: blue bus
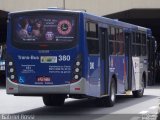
x=58 y=54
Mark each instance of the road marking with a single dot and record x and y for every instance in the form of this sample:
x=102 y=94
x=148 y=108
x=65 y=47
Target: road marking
x=153 y=107
x=143 y=112
x=135 y=118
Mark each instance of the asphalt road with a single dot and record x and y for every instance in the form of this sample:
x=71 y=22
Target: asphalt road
x=126 y=108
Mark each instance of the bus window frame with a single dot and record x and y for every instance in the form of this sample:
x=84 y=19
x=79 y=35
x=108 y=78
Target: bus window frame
x=137 y=46
x=116 y=42
x=96 y=38
x=112 y=40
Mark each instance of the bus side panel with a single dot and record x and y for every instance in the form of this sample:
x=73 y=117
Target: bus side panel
x=94 y=76
x=139 y=67
x=144 y=68
x=118 y=68
x=112 y=69
x=126 y=73
x=83 y=49
x=121 y=73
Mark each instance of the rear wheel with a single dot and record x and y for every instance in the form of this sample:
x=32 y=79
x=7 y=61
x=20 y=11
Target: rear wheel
x=54 y=100
x=2 y=78
x=139 y=93
x=109 y=101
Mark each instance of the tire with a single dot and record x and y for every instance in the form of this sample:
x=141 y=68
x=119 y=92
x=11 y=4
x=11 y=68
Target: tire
x=139 y=93
x=109 y=101
x=2 y=78
x=47 y=100
x=54 y=100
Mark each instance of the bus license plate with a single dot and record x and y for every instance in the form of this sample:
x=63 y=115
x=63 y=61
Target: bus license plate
x=43 y=79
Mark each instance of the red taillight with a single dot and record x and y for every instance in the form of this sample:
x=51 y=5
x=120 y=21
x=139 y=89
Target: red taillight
x=43 y=46
x=11 y=88
x=77 y=69
x=11 y=72
x=77 y=88
x=15 y=81
x=73 y=81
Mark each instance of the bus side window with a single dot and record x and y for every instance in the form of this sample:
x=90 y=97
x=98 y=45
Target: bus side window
x=112 y=41
x=138 y=50
x=143 y=48
x=117 y=41
x=92 y=38
x=133 y=50
x=136 y=44
x=121 y=42
x=133 y=44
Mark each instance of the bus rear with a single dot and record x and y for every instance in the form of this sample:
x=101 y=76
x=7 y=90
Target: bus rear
x=43 y=54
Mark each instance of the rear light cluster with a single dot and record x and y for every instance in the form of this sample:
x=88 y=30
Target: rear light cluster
x=11 y=71
x=77 y=69
x=2 y=65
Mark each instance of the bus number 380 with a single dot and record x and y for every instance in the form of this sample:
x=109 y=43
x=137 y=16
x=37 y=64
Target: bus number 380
x=64 y=58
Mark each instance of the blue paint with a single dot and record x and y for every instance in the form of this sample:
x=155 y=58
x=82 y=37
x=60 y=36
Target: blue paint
x=21 y=79
x=28 y=70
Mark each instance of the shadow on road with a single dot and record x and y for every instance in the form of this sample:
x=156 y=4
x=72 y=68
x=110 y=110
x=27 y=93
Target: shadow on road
x=157 y=86
x=2 y=82
x=2 y=85
x=87 y=108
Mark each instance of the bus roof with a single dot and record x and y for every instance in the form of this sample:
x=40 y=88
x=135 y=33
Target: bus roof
x=117 y=22
x=49 y=9
x=113 y=22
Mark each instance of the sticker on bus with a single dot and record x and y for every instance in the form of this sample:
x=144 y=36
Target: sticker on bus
x=43 y=79
x=48 y=59
x=21 y=79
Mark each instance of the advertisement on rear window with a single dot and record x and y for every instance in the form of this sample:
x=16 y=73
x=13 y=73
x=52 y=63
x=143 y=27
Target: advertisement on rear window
x=44 y=29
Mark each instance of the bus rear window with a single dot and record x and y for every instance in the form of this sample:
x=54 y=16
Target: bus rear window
x=44 y=29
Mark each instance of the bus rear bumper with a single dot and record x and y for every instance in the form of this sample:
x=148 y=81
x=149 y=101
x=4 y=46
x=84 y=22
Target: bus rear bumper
x=19 y=89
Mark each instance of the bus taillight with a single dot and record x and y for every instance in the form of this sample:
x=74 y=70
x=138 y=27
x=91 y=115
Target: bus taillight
x=73 y=81
x=11 y=73
x=11 y=88
x=43 y=46
x=77 y=70
x=77 y=88
x=15 y=81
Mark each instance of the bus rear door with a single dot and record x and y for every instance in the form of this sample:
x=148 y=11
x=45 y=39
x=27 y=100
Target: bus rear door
x=128 y=52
